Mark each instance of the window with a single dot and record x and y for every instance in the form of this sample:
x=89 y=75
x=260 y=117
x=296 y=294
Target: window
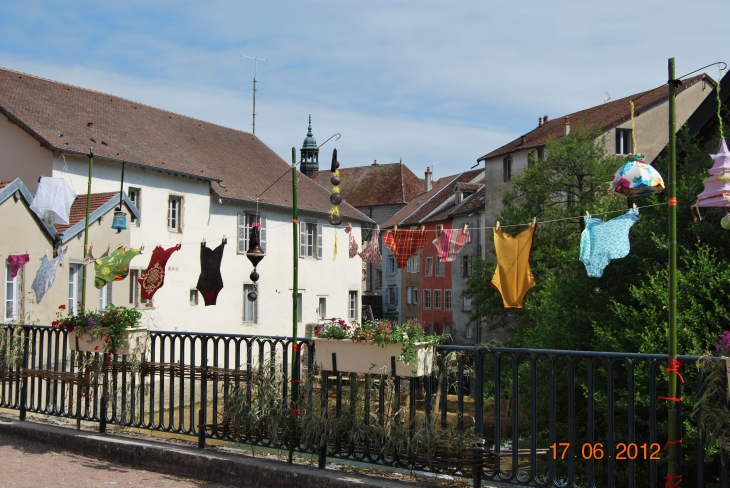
x=134 y=194
x=427 y=299
x=135 y=290
x=390 y=265
x=447 y=329
x=466 y=304
x=429 y=266
x=244 y=227
x=468 y=332
x=378 y=279
x=299 y=307
x=74 y=287
x=507 y=168
x=391 y=297
x=105 y=296
x=310 y=240
x=415 y=296
x=447 y=299
x=531 y=159
x=414 y=264
x=174 y=207
x=440 y=268
x=194 y=297
x=571 y=199
x=429 y=328
x=11 y=294
x=250 y=310
x=623 y=141
x=437 y=299
x=465 y=266
x=540 y=153
x=322 y=310
x=409 y=290
x=352 y=306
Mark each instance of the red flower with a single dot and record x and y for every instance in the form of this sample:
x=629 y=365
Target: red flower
x=96 y=348
x=62 y=307
x=106 y=340
x=70 y=328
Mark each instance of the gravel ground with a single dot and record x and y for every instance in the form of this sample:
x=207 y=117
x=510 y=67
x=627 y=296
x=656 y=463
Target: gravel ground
x=32 y=464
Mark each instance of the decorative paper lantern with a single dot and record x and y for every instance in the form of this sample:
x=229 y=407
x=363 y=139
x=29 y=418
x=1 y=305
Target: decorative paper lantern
x=717 y=186
x=636 y=178
x=120 y=221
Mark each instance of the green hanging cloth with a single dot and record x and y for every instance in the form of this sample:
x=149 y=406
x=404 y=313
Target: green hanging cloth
x=114 y=267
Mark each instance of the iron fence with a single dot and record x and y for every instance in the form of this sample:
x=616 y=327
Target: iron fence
x=548 y=418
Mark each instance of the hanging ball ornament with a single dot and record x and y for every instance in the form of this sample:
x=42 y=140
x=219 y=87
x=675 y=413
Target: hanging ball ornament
x=335 y=180
x=335 y=219
x=336 y=199
x=725 y=222
x=252 y=296
x=254 y=276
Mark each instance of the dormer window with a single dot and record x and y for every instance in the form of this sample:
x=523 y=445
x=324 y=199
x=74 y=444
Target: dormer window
x=458 y=197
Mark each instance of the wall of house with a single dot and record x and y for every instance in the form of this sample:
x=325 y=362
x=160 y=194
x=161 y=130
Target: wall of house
x=202 y=217
x=441 y=318
x=22 y=156
x=651 y=126
x=372 y=273
x=464 y=331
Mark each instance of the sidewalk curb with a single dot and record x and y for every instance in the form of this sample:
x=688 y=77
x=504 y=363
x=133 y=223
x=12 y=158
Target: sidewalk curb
x=189 y=462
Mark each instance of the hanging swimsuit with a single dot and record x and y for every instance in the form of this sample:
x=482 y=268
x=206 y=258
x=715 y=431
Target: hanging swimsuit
x=46 y=274
x=600 y=241
x=449 y=243
x=114 y=267
x=404 y=244
x=154 y=276
x=210 y=282
x=354 y=249
x=513 y=277
x=17 y=261
x=90 y=257
x=371 y=252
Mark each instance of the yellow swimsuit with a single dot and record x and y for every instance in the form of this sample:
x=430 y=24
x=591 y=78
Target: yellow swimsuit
x=513 y=276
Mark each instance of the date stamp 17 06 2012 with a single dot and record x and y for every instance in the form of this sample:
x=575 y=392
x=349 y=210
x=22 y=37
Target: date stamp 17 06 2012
x=622 y=451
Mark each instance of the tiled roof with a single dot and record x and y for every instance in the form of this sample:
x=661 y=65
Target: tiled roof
x=78 y=208
x=608 y=116
x=65 y=118
x=470 y=186
x=473 y=203
x=434 y=205
x=377 y=184
x=5 y=183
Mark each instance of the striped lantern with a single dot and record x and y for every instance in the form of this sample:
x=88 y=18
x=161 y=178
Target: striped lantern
x=717 y=185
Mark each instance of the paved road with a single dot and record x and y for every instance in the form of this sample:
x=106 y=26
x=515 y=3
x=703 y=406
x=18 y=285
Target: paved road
x=32 y=465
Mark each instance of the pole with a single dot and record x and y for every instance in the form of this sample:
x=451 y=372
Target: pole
x=79 y=373
x=672 y=405
x=295 y=299
x=253 y=131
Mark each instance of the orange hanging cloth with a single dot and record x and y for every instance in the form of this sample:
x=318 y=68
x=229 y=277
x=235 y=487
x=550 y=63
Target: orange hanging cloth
x=513 y=276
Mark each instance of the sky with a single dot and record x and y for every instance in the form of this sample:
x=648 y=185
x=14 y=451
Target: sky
x=431 y=83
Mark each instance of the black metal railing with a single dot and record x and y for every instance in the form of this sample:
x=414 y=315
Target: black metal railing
x=548 y=418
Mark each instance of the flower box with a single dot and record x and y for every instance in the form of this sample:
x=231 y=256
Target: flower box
x=360 y=357
x=131 y=339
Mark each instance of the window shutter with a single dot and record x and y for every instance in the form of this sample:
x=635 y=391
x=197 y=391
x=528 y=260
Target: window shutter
x=241 y=233
x=262 y=219
x=302 y=239
x=319 y=241
x=109 y=295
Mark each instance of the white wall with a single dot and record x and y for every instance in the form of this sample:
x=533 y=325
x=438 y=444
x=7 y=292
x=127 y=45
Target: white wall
x=204 y=217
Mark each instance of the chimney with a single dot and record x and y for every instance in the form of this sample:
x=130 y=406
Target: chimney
x=545 y=119
x=428 y=178
x=539 y=121
x=567 y=125
x=375 y=162
x=522 y=140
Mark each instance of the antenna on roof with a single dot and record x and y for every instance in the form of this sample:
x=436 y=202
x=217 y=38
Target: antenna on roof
x=255 y=72
x=606 y=97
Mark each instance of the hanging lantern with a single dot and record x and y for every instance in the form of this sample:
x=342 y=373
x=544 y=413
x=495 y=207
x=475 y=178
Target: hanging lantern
x=334 y=216
x=120 y=220
x=717 y=186
x=636 y=178
x=254 y=254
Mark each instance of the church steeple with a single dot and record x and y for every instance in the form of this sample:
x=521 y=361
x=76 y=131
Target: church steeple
x=309 y=160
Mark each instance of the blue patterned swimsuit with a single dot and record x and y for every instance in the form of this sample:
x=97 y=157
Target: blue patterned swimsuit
x=602 y=241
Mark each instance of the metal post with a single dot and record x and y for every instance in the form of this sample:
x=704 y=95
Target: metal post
x=672 y=187
x=24 y=380
x=79 y=373
x=294 y=397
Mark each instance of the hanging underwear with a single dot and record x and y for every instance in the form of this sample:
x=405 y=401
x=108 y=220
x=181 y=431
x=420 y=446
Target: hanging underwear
x=90 y=257
x=114 y=267
x=17 y=261
x=210 y=282
x=513 y=276
x=404 y=244
x=449 y=243
x=371 y=252
x=354 y=249
x=154 y=276
x=600 y=241
x=46 y=274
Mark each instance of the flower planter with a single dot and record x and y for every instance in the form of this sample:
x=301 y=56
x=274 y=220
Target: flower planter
x=131 y=339
x=359 y=357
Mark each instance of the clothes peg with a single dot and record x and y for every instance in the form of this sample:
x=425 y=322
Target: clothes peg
x=395 y=228
x=588 y=214
x=534 y=222
x=422 y=228
x=203 y=240
x=377 y=228
x=497 y=227
x=635 y=209
x=466 y=228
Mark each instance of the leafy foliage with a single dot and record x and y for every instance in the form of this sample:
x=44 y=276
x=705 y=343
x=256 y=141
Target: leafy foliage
x=108 y=325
